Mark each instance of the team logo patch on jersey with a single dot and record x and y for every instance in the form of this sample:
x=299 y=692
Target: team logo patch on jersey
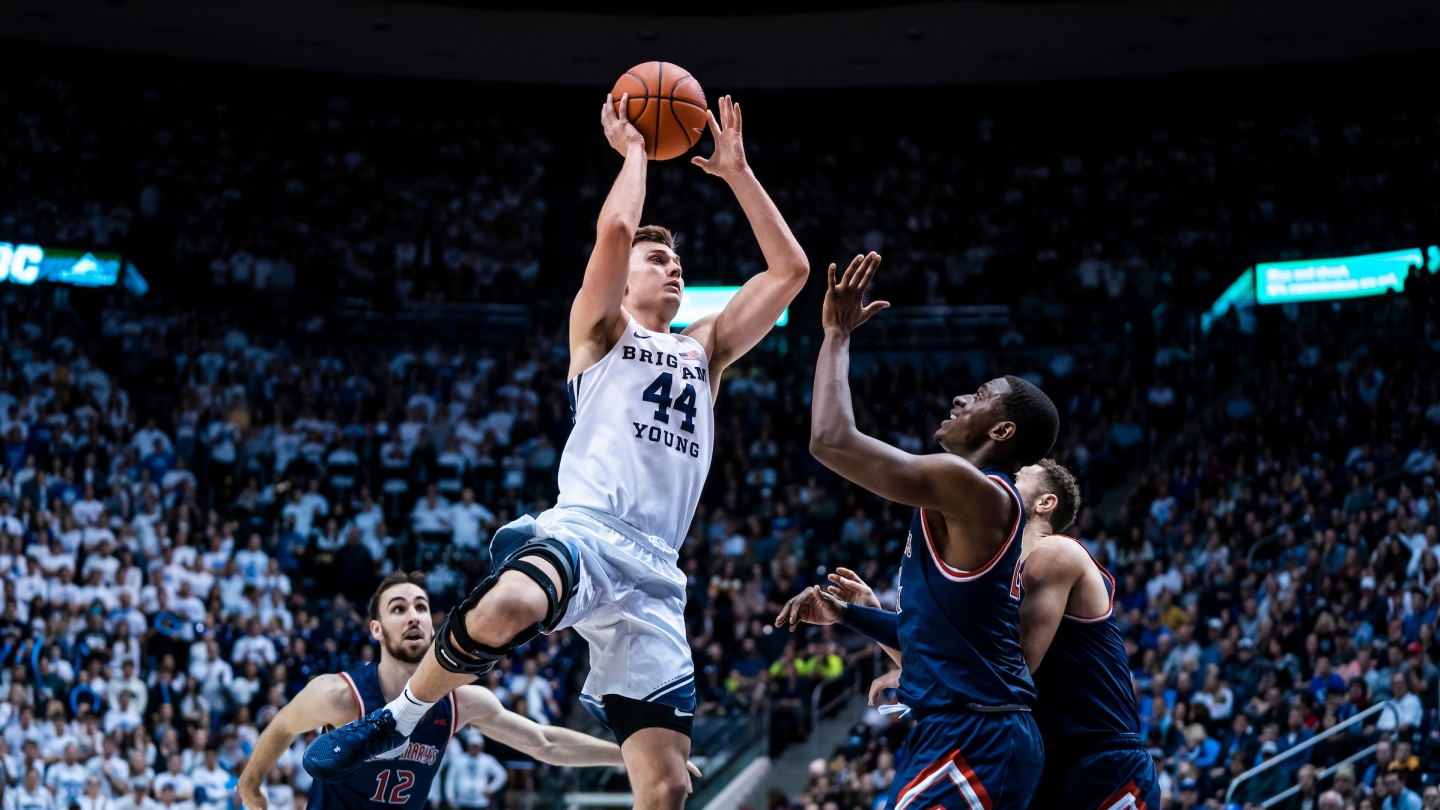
x=908 y=537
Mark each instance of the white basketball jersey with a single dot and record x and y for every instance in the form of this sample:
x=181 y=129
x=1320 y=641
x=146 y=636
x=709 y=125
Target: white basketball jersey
x=644 y=433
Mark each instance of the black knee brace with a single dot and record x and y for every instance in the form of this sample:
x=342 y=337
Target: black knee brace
x=458 y=652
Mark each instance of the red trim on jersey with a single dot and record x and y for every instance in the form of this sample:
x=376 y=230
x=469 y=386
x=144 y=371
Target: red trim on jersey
x=957 y=575
x=454 y=718
x=359 y=701
x=952 y=766
x=1109 y=609
x=1126 y=798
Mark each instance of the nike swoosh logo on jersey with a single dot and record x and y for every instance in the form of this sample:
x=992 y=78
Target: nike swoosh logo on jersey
x=642 y=337
x=679 y=713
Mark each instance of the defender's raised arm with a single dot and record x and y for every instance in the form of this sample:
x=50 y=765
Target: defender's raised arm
x=941 y=481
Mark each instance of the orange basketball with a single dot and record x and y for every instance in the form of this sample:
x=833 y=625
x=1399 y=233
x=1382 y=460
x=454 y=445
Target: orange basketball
x=666 y=105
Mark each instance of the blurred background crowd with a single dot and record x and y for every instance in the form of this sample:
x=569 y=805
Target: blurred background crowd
x=199 y=489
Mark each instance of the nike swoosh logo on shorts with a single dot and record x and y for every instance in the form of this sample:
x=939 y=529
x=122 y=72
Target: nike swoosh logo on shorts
x=679 y=713
x=642 y=337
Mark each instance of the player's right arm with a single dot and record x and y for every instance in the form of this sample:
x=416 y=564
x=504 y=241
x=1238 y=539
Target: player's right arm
x=325 y=701
x=1051 y=573
x=944 y=482
x=596 y=317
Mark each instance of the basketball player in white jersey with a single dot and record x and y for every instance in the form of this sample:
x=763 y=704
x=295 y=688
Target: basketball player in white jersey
x=604 y=559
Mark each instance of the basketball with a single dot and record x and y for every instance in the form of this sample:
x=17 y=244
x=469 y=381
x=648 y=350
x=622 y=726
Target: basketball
x=666 y=105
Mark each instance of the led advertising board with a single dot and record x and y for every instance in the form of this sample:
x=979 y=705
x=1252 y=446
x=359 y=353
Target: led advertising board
x=1335 y=278
x=27 y=264
x=697 y=302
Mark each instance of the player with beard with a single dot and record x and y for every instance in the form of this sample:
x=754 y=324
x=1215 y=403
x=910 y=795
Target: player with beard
x=400 y=620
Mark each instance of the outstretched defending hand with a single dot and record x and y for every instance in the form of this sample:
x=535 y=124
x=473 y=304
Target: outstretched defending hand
x=849 y=587
x=728 y=159
x=843 y=310
x=618 y=130
x=812 y=606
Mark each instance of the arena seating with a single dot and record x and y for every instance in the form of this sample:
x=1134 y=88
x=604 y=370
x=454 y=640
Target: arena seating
x=183 y=482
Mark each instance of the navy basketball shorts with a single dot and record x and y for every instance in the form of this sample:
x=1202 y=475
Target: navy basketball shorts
x=1122 y=779
x=969 y=761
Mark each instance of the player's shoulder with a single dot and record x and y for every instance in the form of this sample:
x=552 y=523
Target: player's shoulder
x=332 y=685
x=1056 y=555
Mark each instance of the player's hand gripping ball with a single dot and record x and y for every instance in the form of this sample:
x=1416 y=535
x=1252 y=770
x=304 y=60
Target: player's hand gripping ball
x=666 y=105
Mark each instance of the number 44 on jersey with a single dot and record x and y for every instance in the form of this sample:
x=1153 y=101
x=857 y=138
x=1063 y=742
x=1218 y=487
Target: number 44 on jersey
x=658 y=392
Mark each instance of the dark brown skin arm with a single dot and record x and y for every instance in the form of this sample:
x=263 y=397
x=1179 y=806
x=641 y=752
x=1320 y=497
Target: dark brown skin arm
x=943 y=482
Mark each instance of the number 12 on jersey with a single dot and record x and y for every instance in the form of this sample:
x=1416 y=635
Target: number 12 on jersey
x=658 y=392
x=399 y=793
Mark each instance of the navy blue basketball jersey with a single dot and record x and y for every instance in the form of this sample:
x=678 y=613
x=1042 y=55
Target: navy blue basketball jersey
x=402 y=782
x=1084 y=681
x=960 y=630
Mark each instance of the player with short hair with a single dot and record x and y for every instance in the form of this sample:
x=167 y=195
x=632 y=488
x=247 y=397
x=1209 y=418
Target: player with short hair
x=400 y=620
x=603 y=561
x=1094 y=756
x=957 y=626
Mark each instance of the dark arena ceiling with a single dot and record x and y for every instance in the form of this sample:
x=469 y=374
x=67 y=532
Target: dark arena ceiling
x=783 y=43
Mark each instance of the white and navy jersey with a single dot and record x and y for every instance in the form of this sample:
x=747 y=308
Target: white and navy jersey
x=644 y=433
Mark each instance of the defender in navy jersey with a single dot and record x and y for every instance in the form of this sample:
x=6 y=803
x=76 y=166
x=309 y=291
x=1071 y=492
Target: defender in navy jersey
x=1094 y=756
x=976 y=745
x=1094 y=759
x=400 y=621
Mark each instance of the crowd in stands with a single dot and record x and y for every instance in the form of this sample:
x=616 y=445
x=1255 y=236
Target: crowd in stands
x=421 y=194
x=193 y=511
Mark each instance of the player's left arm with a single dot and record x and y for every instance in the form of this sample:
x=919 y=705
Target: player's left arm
x=552 y=745
x=478 y=707
x=1050 y=574
x=752 y=313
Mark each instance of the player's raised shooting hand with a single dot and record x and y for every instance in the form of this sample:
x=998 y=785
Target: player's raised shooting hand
x=728 y=159
x=844 y=308
x=618 y=130
x=812 y=606
x=849 y=587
